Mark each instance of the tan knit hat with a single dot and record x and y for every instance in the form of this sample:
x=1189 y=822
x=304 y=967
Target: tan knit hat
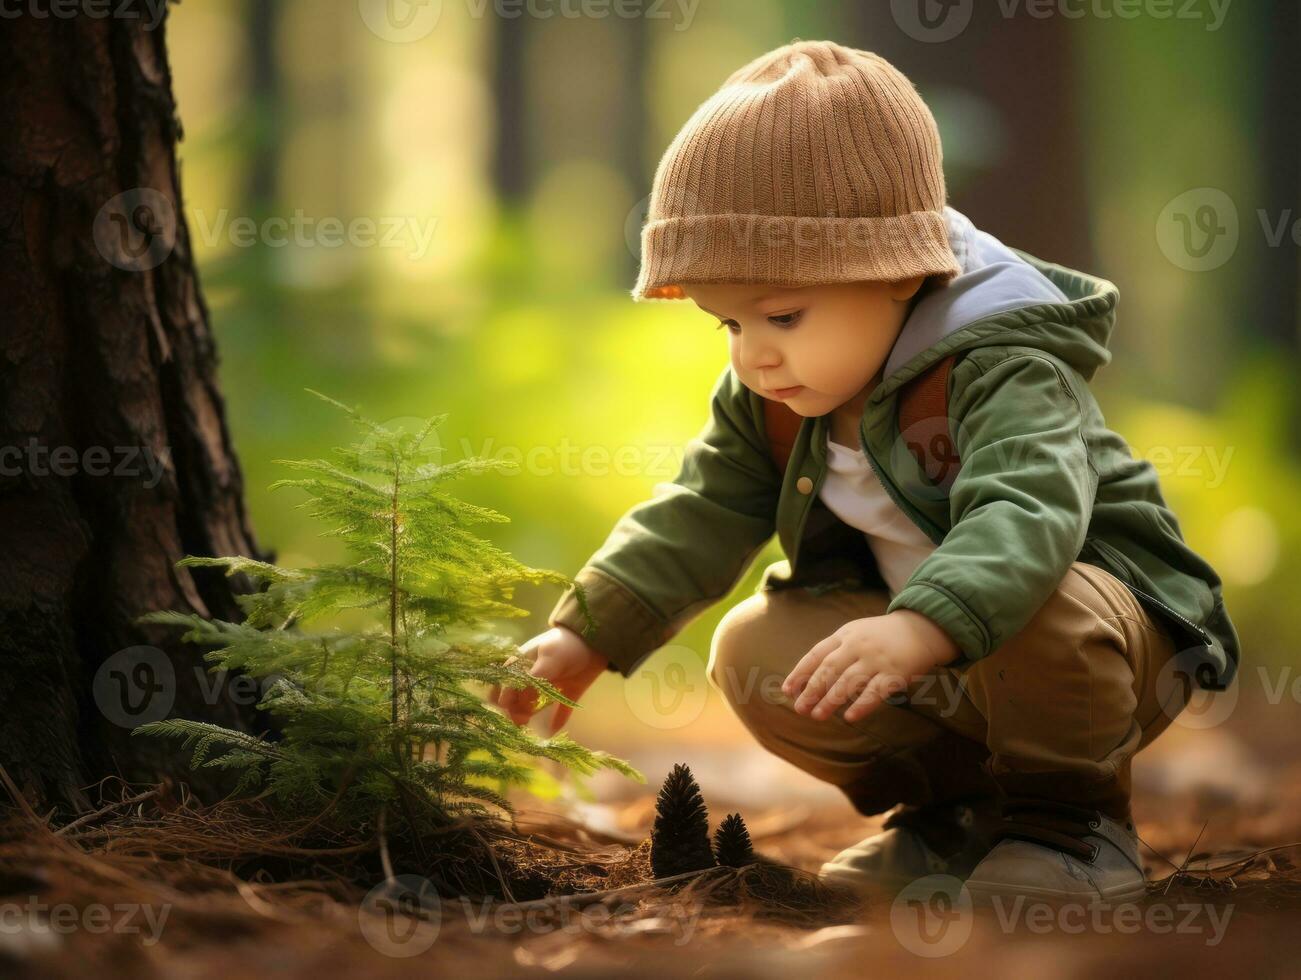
x=814 y=163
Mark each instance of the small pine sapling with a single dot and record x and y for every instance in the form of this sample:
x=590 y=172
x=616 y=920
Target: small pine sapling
x=680 y=834
x=377 y=718
x=732 y=845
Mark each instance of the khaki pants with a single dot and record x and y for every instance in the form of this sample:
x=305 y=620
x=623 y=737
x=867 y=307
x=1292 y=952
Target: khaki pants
x=1056 y=711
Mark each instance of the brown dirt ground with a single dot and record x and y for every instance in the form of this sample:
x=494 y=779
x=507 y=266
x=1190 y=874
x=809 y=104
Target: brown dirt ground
x=1223 y=804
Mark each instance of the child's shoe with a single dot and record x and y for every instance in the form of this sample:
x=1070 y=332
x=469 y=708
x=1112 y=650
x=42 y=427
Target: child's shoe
x=1056 y=852
x=916 y=841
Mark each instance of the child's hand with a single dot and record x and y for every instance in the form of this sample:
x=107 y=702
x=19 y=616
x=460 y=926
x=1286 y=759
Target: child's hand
x=562 y=657
x=866 y=661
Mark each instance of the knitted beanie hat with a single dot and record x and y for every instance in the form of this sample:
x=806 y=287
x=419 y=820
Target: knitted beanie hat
x=814 y=163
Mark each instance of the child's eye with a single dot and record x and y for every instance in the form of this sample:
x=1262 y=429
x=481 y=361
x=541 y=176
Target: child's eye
x=780 y=319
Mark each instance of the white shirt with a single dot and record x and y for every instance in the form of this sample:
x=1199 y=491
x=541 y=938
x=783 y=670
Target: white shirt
x=852 y=492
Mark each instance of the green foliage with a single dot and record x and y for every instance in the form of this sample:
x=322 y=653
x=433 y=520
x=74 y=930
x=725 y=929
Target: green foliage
x=381 y=716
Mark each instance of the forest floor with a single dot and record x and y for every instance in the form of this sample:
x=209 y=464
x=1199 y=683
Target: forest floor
x=1218 y=811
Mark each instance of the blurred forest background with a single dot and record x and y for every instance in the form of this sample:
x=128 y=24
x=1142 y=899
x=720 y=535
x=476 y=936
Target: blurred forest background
x=517 y=152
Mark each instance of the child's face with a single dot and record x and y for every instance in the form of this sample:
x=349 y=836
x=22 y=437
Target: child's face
x=814 y=348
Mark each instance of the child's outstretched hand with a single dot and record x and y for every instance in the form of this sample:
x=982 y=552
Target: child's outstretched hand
x=866 y=661
x=562 y=657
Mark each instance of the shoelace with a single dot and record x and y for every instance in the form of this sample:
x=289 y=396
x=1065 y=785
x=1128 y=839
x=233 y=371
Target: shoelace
x=1059 y=825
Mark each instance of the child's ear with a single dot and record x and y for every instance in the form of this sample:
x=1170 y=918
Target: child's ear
x=906 y=289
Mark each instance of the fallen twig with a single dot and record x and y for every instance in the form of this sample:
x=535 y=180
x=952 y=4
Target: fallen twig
x=102 y=811
x=592 y=897
x=1187 y=858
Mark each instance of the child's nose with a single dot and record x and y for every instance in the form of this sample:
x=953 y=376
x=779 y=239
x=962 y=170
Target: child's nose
x=758 y=354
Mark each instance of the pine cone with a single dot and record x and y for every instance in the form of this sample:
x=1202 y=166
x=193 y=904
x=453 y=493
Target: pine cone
x=680 y=835
x=732 y=846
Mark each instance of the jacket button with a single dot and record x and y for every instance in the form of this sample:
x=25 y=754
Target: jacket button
x=804 y=485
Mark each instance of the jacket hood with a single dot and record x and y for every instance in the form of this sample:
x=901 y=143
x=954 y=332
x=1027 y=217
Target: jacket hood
x=1061 y=311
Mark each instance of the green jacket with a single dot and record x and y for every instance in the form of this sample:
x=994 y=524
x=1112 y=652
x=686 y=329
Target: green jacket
x=1043 y=482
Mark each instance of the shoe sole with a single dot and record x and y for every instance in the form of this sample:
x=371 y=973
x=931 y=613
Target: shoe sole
x=984 y=891
x=863 y=882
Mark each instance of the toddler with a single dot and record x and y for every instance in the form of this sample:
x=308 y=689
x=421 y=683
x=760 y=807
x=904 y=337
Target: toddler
x=986 y=607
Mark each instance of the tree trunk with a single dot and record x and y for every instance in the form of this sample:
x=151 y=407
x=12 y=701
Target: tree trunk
x=1278 y=281
x=115 y=459
x=511 y=157
x=1030 y=190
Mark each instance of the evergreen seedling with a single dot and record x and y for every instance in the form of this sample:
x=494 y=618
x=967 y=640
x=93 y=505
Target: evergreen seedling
x=381 y=716
x=732 y=845
x=680 y=835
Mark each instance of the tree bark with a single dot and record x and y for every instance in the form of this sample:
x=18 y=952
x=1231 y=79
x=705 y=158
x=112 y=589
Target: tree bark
x=115 y=458
x=1278 y=284
x=511 y=157
x=1032 y=191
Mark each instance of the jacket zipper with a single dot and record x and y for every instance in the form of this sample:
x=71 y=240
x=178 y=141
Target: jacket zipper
x=1205 y=636
x=1102 y=548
